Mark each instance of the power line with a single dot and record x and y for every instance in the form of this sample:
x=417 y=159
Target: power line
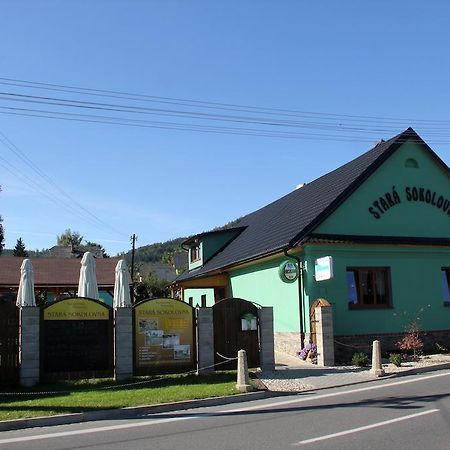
x=16 y=172
x=328 y=127
x=110 y=120
x=182 y=127
x=181 y=114
x=68 y=205
x=334 y=130
x=201 y=103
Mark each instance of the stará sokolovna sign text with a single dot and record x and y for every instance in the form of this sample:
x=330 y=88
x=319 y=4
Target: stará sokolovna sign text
x=409 y=194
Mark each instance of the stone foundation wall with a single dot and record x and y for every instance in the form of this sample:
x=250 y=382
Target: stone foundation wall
x=287 y=343
x=346 y=346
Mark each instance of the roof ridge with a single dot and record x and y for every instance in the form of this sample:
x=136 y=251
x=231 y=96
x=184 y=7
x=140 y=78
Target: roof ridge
x=382 y=151
x=310 y=184
x=284 y=222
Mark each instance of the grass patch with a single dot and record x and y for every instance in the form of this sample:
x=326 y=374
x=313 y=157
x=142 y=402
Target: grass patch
x=89 y=395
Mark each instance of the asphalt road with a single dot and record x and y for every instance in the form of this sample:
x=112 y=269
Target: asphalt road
x=411 y=412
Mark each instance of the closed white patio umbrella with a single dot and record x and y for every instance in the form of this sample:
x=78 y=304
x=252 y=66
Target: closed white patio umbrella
x=25 y=295
x=87 y=285
x=122 y=297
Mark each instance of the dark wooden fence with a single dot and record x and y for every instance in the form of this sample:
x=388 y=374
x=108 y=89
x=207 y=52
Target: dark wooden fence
x=9 y=342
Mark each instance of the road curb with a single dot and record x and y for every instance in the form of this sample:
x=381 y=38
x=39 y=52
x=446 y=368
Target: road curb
x=130 y=412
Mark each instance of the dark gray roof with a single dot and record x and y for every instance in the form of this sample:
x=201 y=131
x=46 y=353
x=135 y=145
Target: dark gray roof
x=288 y=220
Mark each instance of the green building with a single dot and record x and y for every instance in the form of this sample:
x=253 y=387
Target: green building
x=371 y=238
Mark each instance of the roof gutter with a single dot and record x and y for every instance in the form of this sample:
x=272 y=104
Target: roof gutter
x=300 y=294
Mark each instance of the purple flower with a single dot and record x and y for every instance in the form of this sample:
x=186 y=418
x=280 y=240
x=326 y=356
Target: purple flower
x=309 y=349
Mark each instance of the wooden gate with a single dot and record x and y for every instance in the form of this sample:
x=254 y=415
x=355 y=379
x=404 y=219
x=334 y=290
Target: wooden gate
x=9 y=342
x=236 y=327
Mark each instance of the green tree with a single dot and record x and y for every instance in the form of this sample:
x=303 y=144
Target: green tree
x=150 y=287
x=69 y=237
x=90 y=244
x=155 y=252
x=39 y=253
x=19 y=249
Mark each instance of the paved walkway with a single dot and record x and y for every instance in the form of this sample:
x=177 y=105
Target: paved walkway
x=293 y=374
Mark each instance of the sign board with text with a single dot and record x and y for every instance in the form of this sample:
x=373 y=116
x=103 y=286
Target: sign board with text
x=323 y=268
x=77 y=338
x=164 y=336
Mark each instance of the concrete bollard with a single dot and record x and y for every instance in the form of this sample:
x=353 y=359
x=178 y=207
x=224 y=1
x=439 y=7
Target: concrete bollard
x=377 y=368
x=243 y=379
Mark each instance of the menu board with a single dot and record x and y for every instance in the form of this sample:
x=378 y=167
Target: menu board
x=164 y=333
x=76 y=336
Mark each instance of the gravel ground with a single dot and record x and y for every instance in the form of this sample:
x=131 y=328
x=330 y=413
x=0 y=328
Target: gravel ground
x=294 y=375
x=424 y=361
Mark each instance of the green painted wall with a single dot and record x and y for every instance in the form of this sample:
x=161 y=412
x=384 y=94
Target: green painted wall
x=415 y=270
x=415 y=283
x=402 y=217
x=196 y=295
x=214 y=242
x=209 y=245
x=261 y=284
x=398 y=208
x=415 y=278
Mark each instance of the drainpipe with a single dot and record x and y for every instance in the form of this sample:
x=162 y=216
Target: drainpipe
x=300 y=295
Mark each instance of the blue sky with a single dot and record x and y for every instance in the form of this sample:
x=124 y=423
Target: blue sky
x=349 y=72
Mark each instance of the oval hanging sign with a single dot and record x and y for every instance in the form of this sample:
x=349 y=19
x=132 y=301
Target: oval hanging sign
x=288 y=271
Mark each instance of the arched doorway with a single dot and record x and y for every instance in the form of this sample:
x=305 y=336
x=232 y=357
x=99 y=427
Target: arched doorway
x=312 y=317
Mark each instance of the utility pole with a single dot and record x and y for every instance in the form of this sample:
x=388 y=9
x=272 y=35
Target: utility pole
x=133 y=241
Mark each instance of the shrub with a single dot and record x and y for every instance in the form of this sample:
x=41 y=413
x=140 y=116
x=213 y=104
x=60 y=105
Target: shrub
x=396 y=359
x=412 y=342
x=360 y=359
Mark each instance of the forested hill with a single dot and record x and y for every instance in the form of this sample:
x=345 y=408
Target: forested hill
x=158 y=252
x=165 y=251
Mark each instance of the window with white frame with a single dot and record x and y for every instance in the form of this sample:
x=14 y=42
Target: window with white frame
x=195 y=253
